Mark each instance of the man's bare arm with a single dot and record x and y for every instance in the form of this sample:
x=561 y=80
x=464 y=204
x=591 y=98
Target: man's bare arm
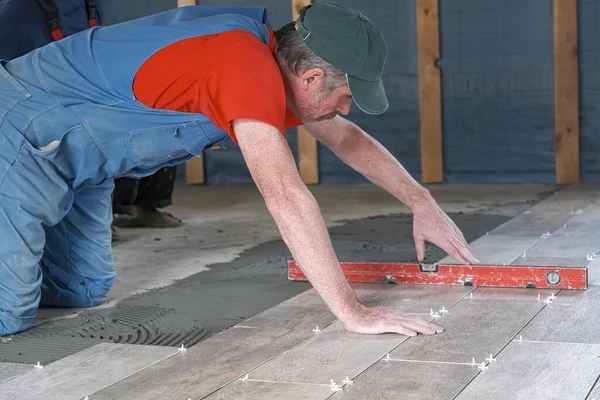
x=368 y=157
x=303 y=229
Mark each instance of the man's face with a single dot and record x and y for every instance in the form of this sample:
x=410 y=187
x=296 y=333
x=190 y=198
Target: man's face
x=311 y=102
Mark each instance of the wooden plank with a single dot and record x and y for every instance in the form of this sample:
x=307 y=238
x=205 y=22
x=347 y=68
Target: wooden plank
x=472 y=329
x=194 y=171
x=83 y=373
x=194 y=168
x=11 y=370
x=308 y=156
x=182 y=3
x=571 y=317
x=538 y=371
x=408 y=380
x=271 y=390
x=430 y=102
x=566 y=91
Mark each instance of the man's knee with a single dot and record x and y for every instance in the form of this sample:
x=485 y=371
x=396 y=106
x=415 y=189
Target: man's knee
x=11 y=324
x=82 y=292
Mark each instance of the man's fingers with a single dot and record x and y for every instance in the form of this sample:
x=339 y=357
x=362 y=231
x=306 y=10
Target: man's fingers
x=399 y=328
x=467 y=255
x=420 y=246
x=455 y=253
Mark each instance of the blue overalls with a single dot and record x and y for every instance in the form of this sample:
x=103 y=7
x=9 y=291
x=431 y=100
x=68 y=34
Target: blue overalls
x=70 y=124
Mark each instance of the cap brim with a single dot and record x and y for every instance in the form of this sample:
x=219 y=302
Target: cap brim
x=369 y=96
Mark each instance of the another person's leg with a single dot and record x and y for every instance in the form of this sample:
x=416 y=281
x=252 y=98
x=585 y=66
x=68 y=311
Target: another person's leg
x=136 y=202
x=78 y=261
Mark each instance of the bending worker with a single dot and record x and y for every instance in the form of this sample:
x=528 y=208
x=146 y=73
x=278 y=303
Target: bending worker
x=132 y=98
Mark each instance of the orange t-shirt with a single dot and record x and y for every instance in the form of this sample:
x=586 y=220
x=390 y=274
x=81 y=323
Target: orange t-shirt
x=224 y=76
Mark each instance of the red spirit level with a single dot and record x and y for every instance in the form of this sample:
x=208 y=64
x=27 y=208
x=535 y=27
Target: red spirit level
x=507 y=276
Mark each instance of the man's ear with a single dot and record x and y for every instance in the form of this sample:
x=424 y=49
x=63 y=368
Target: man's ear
x=311 y=77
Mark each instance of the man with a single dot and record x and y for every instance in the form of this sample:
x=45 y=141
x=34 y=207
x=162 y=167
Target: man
x=132 y=98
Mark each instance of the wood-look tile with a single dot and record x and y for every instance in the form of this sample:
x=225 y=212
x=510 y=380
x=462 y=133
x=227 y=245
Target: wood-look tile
x=472 y=329
x=538 y=371
x=572 y=317
x=498 y=249
x=83 y=373
x=333 y=353
x=595 y=393
x=490 y=293
x=10 y=370
x=212 y=363
x=252 y=390
x=408 y=380
x=419 y=299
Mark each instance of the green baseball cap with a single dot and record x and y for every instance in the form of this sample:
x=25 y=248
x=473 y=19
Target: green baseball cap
x=349 y=41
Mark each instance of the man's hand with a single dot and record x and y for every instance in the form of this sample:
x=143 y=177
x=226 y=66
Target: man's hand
x=383 y=320
x=432 y=224
x=368 y=157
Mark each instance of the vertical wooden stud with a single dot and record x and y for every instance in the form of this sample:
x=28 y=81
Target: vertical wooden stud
x=430 y=102
x=308 y=157
x=566 y=91
x=194 y=168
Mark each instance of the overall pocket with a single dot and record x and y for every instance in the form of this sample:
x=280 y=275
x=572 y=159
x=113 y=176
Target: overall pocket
x=155 y=146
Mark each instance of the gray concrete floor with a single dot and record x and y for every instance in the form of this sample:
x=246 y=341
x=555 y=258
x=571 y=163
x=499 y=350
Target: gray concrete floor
x=227 y=262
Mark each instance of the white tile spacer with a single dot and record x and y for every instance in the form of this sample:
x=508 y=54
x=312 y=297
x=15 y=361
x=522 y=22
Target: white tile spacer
x=316 y=330
x=539 y=296
x=548 y=300
x=436 y=316
x=471 y=295
x=335 y=387
x=520 y=339
x=38 y=365
x=487 y=234
x=431 y=312
x=86 y=398
x=473 y=362
x=591 y=256
x=491 y=358
x=552 y=296
x=482 y=366
x=579 y=211
x=443 y=310
x=244 y=379
x=387 y=357
x=182 y=348
x=546 y=235
x=347 y=381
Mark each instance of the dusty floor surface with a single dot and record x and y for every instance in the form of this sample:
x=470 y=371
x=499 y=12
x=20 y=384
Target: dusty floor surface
x=227 y=262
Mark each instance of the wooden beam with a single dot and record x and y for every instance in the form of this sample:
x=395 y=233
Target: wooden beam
x=194 y=168
x=566 y=91
x=430 y=102
x=308 y=156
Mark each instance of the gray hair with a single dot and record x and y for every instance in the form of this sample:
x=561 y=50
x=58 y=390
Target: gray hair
x=293 y=52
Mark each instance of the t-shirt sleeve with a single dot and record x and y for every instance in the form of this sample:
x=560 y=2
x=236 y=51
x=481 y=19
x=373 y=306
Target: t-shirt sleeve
x=245 y=83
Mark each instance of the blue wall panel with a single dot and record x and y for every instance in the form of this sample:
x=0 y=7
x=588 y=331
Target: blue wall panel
x=398 y=128
x=589 y=88
x=498 y=96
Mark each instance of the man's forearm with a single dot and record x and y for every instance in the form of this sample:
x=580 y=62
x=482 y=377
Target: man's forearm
x=303 y=229
x=368 y=157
